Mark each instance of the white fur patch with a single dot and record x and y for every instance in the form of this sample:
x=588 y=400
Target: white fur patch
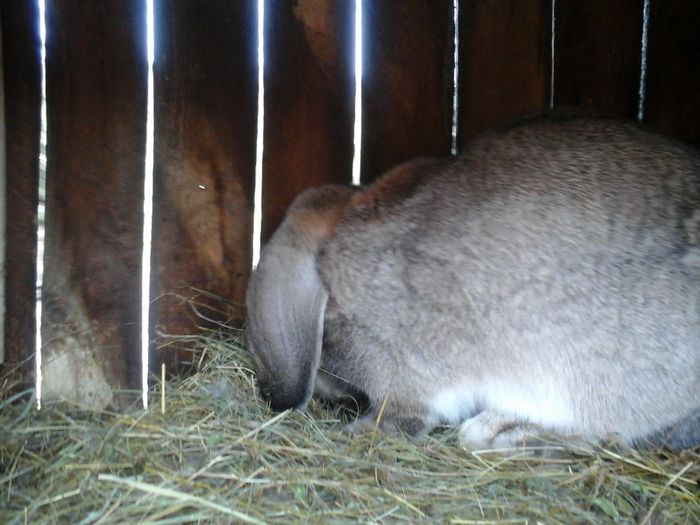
x=542 y=403
x=453 y=405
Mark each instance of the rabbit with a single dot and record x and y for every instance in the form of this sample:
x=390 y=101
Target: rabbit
x=545 y=280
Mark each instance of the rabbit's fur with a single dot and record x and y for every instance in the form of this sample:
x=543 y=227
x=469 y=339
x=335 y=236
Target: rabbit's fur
x=546 y=279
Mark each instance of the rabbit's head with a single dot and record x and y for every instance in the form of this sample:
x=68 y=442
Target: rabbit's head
x=286 y=299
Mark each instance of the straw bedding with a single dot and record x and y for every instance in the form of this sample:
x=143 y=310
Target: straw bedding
x=218 y=455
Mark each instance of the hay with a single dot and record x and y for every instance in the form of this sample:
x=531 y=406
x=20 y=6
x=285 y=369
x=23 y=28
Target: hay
x=217 y=455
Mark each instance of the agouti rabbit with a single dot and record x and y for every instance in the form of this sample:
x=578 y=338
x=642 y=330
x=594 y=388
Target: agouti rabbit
x=546 y=279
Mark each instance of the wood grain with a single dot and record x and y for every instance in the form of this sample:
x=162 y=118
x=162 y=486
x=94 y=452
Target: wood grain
x=22 y=79
x=673 y=88
x=407 y=87
x=598 y=55
x=96 y=106
x=504 y=61
x=309 y=110
x=206 y=108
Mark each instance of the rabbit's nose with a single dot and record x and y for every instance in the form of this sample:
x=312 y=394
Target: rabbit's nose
x=277 y=397
x=265 y=390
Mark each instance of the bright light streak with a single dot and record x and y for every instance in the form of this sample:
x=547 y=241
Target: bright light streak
x=357 y=134
x=147 y=205
x=552 y=55
x=41 y=208
x=259 y=143
x=643 y=67
x=455 y=77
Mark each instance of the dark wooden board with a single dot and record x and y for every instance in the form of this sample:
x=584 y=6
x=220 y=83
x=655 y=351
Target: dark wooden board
x=598 y=55
x=407 y=87
x=504 y=61
x=206 y=108
x=309 y=109
x=673 y=85
x=96 y=106
x=22 y=80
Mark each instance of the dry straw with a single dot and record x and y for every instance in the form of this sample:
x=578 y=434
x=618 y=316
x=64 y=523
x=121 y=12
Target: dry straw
x=218 y=455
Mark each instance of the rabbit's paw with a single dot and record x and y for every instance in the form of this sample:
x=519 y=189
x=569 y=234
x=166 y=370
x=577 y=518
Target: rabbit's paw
x=491 y=430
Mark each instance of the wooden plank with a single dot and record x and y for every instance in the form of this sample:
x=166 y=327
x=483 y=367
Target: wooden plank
x=407 y=84
x=206 y=110
x=504 y=61
x=598 y=55
x=673 y=89
x=22 y=123
x=309 y=90
x=96 y=102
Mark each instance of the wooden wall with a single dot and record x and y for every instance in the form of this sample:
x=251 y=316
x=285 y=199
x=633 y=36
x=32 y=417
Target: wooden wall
x=205 y=111
x=206 y=105
x=20 y=41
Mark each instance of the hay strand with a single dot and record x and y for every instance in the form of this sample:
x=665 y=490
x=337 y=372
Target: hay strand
x=212 y=452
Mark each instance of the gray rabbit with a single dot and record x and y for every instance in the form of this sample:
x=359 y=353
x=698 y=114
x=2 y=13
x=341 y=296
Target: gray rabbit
x=545 y=280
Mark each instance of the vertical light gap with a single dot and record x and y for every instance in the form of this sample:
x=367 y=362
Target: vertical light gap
x=455 y=76
x=41 y=207
x=357 y=134
x=552 y=51
x=3 y=201
x=259 y=144
x=643 y=67
x=146 y=249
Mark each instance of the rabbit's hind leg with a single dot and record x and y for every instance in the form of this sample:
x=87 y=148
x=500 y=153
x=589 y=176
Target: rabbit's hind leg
x=491 y=430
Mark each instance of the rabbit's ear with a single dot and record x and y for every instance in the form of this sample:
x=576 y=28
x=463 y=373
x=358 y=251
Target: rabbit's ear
x=286 y=303
x=286 y=299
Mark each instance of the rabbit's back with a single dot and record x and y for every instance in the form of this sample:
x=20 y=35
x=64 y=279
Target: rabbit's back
x=559 y=257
